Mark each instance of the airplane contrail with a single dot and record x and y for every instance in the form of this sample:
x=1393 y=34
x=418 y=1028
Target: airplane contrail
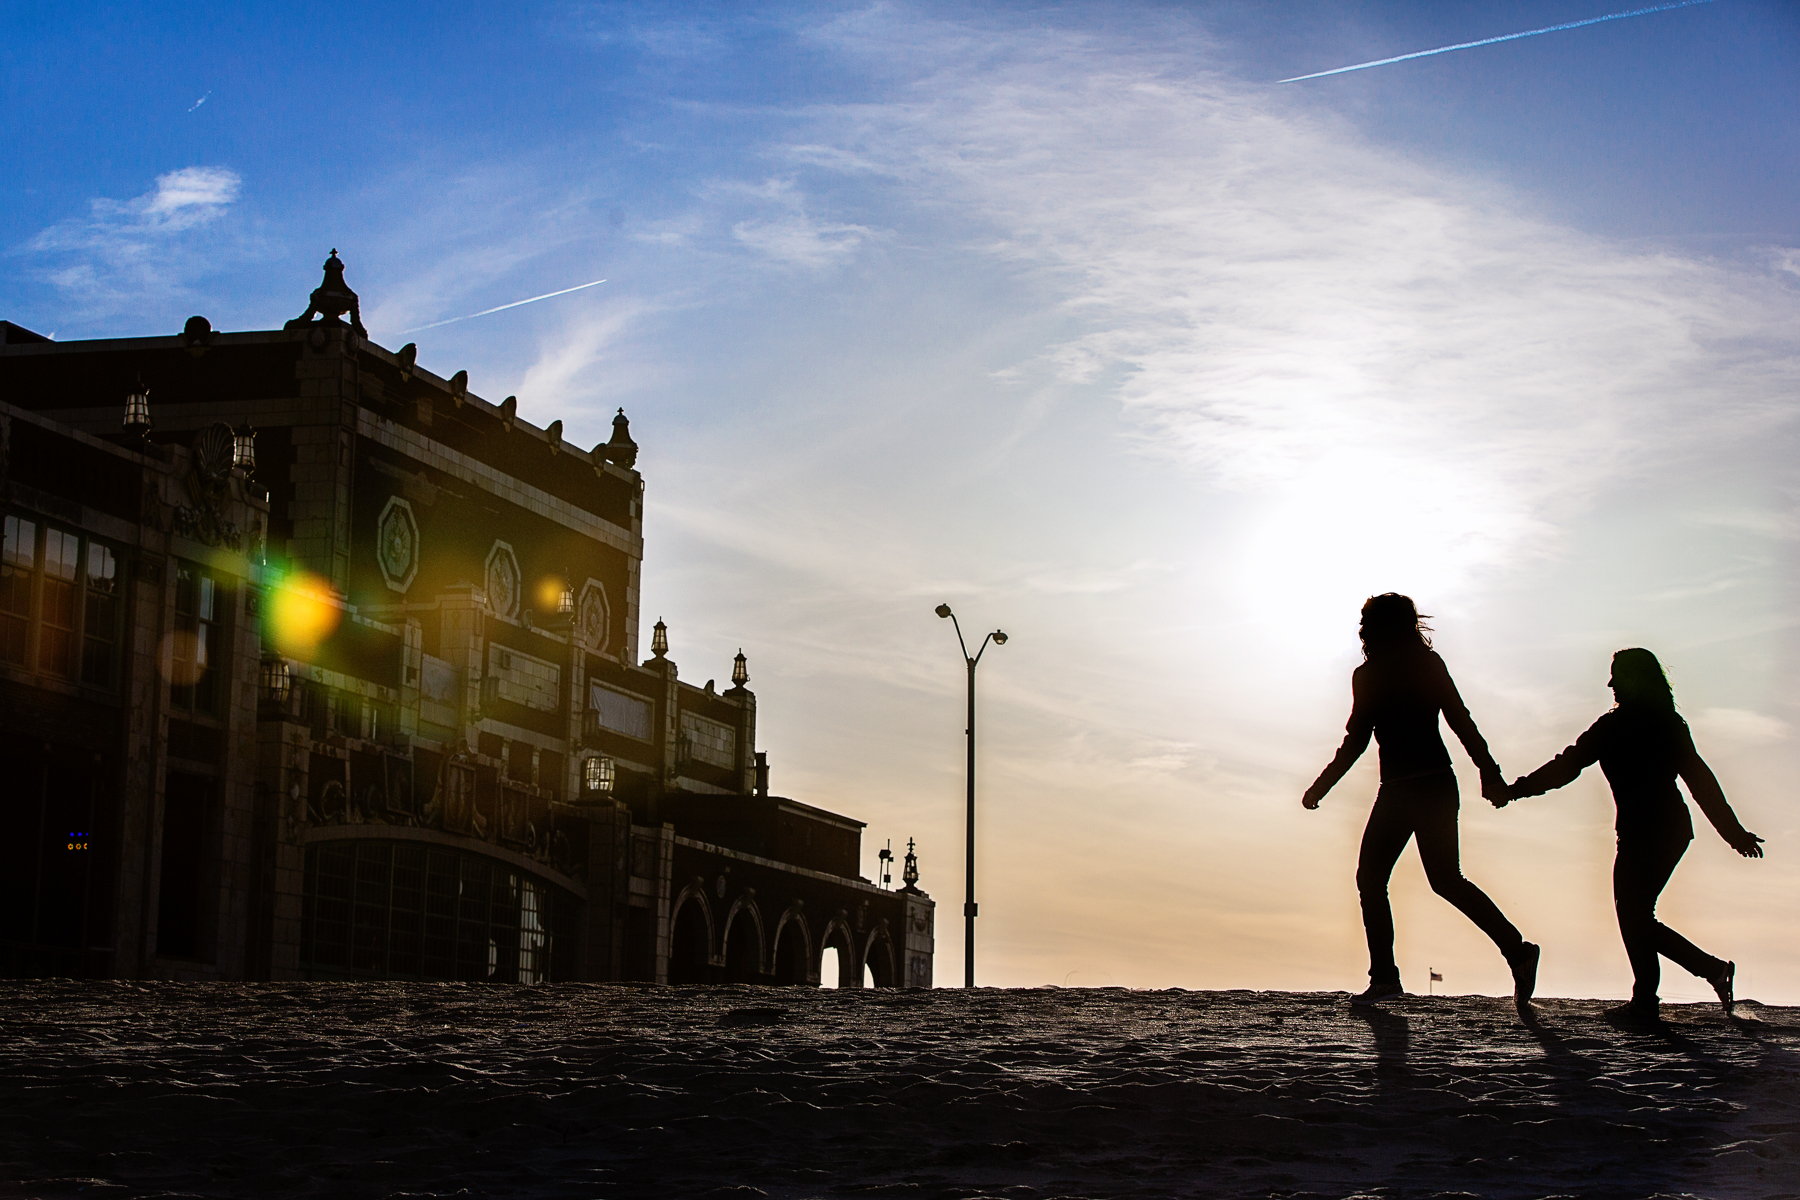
x=503 y=307
x=1505 y=37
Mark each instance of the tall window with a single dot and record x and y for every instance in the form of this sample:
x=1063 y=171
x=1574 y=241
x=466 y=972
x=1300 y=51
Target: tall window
x=194 y=679
x=100 y=623
x=55 y=616
x=16 y=571
x=56 y=639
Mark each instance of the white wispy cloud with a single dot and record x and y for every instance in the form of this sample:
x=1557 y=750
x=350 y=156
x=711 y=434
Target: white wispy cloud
x=491 y=232
x=784 y=231
x=1365 y=342
x=150 y=245
x=801 y=241
x=569 y=379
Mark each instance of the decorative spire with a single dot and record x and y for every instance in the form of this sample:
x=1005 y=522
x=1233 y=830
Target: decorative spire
x=622 y=449
x=332 y=299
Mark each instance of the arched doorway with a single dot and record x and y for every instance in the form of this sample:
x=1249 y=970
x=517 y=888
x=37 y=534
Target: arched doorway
x=848 y=971
x=690 y=942
x=878 y=959
x=791 y=955
x=743 y=946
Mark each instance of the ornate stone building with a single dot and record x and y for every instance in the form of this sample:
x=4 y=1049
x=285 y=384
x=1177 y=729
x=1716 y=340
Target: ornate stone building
x=318 y=665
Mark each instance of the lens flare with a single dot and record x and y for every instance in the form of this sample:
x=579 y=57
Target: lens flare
x=548 y=593
x=301 y=613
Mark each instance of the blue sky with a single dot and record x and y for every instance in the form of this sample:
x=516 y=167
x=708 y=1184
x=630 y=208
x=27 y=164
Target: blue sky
x=1069 y=315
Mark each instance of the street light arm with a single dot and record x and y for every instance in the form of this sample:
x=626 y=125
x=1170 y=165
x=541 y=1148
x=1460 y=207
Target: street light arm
x=959 y=637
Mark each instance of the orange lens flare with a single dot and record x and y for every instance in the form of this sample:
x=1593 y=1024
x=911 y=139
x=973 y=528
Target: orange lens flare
x=301 y=613
x=548 y=593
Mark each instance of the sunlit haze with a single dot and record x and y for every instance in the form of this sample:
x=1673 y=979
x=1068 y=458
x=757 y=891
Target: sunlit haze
x=1076 y=319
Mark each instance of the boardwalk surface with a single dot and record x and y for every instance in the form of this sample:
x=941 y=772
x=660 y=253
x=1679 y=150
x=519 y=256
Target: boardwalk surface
x=283 y=1090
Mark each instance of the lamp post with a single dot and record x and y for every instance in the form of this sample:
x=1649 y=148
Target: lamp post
x=999 y=639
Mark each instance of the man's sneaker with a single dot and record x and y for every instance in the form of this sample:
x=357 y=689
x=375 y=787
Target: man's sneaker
x=1635 y=1013
x=1377 y=992
x=1524 y=962
x=1722 y=984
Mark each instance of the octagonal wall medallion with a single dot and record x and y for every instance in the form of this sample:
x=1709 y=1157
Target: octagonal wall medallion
x=593 y=617
x=502 y=581
x=397 y=544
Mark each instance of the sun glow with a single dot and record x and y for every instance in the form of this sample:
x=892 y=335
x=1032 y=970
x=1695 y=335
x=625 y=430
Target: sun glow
x=1353 y=527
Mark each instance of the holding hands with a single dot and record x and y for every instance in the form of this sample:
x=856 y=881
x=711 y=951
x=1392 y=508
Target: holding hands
x=1494 y=788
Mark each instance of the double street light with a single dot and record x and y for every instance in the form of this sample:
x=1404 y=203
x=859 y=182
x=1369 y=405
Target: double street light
x=999 y=639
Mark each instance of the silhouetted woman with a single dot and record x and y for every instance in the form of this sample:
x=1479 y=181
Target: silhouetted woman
x=1397 y=695
x=1642 y=745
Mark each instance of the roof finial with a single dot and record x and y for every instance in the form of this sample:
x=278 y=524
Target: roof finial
x=332 y=298
x=622 y=449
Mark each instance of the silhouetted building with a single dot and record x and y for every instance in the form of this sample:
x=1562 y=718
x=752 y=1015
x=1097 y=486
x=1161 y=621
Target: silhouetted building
x=387 y=721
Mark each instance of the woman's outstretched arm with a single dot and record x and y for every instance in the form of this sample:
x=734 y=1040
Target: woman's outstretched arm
x=1703 y=785
x=1562 y=769
x=1356 y=739
x=1456 y=715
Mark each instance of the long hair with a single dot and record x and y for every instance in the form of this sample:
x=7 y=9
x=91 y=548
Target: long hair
x=1639 y=681
x=1392 y=622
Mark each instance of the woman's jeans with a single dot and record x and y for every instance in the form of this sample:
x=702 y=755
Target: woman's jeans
x=1423 y=808
x=1640 y=873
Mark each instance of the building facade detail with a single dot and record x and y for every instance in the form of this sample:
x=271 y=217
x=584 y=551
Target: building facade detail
x=593 y=616
x=254 y=734
x=502 y=581
x=397 y=543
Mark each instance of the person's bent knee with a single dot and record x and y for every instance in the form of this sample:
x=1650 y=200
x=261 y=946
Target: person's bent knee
x=1447 y=885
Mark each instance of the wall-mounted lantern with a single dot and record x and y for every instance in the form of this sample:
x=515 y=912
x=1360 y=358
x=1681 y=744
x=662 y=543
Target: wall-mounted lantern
x=137 y=411
x=597 y=776
x=243 y=449
x=277 y=680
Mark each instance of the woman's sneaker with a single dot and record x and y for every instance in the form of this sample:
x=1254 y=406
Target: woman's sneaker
x=1377 y=992
x=1723 y=983
x=1524 y=962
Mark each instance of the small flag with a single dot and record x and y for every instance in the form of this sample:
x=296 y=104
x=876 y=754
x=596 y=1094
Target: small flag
x=1436 y=978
